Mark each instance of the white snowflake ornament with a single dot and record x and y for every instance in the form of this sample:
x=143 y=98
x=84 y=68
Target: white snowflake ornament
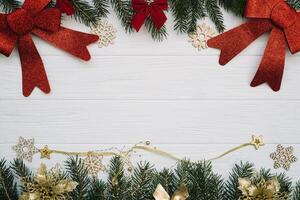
x=106 y=33
x=94 y=164
x=25 y=149
x=200 y=36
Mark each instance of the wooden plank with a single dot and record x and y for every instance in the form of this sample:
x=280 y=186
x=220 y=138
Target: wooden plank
x=181 y=122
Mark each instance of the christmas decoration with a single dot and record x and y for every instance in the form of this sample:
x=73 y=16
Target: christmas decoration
x=197 y=181
x=263 y=190
x=274 y=16
x=106 y=33
x=65 y=6
x=25 y=149
x=180 y=194
x=35 y=18
x=283 y=157
x=145 y=8
x=94 y=164
x=200 y=37
x=47 y=185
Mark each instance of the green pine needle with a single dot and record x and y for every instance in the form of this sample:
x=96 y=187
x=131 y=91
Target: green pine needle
x=296 y=193
x=8 y=187
x=101 y=7
x=124 y=12
x=215 y=14
x=157 y=35
x=77 y=172
x=85 y=13
x=96 y=190
x=9 y=5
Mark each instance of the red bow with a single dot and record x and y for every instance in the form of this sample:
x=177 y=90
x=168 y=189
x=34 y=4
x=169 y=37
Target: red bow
x=269 y=15
x=65 y=7
x=144 y=8
x=15 y=29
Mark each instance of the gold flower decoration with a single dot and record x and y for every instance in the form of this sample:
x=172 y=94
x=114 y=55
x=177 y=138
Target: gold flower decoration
x=47 y=185
x=200 y=36
x=263 y=190
x=283 y=157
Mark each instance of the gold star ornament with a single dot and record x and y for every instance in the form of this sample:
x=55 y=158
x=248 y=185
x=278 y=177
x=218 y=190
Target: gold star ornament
x=257 y=141
x=283 y=157
x=46 y=152
x=25 y=149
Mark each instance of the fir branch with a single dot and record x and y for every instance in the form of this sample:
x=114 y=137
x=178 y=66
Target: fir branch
x=101 y=7
x=97 y=189
x=235 y=6
x=231 y=191
x=8 y=187
x=157 y=35
x=167 y=179
x=85 y=13
x=77 y=172
x=141 y=182
x=181 y=11
x=9 y=5
x=118 y=186
x=285 y=183
x=294 y=3
x=197 y=12
x=21 y=170
x=124 y=12
x=215 y=14
x=296 y=193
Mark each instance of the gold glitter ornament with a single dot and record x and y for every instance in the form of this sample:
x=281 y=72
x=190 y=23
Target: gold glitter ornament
x=45 y=152
x=94 y=164
x=263 y=190
x=257 y=141
x=106 y=33
x=200 y=36
x=180 y=194
x=283 y=157
x=25 y=149
x=47 y=186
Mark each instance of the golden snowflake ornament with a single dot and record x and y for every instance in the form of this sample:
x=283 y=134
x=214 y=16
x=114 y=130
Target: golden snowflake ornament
x=200 y=36
x=25 y=149
x=106 y=33
x=283 y=157
x=94 y=164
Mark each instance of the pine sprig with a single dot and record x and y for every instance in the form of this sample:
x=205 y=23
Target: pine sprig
x=231 y=191
x=215 y=14
x=96 y=190
x=157 y=35
x=197 y=11
x=124 y=12
x=21 y=170
x=8 y=187
x=9 y=5
x=85 y=13
x=296 y=193
x=141 y=182
x=101 y=7
x=167 y=179
x=181 y=12
x=118 y=186
x=235 y=6
x=77 y=172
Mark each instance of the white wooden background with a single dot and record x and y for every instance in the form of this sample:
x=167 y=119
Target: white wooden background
x=169 y=93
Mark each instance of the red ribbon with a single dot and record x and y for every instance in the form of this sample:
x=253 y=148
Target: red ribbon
x=154 y=9
x=65 y=6
x=275 y=16
x=33 y=17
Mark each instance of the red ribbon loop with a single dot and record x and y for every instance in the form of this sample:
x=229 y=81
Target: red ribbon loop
x=15 y=29
x=154 y=9
x=268 y=15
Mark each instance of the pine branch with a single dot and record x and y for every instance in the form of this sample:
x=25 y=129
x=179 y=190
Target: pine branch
x=181 y=11
x=124 y=12
x=285 y=183
x=21 y=170
x=118 y=186
x=167 y=179
x=235 y=6
x=157 y=35
x=85 y=13
x=296 y=193
x=101 y=7
x=197 y=12
x=9 y=5
x=294 y=3
x=215 y=14
x=8 y=187
x=77 y=172
x=96 y=191
x=231 y=191
x=141 y=182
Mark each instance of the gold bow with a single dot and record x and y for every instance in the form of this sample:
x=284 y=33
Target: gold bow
x=180 y=194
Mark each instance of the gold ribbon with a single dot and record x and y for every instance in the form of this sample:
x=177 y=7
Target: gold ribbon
x=180 y=194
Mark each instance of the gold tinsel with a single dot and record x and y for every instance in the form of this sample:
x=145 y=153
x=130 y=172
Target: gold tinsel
x=263 y=190
x=47 y=186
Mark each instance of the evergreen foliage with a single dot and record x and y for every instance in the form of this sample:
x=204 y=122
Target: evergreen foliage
x=85 y=13
x=201 y=181
x=101 y=7
x=9 y=5
x=124 y=12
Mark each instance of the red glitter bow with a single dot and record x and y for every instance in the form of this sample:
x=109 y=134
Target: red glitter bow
x=33 y=17
x=65 y=6
x=269 y=15
x=144 y=8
